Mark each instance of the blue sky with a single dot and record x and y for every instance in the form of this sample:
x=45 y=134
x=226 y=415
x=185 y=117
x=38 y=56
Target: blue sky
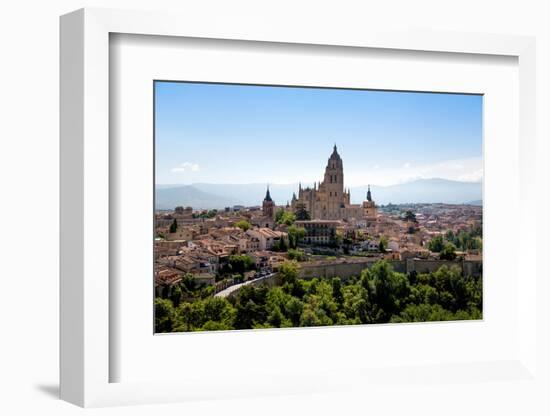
x=218 y=133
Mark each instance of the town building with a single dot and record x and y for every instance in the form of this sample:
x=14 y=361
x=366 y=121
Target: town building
x=320 y=232
x=267 y=237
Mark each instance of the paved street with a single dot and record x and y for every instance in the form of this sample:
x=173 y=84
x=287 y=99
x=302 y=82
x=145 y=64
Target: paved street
x=226 y=292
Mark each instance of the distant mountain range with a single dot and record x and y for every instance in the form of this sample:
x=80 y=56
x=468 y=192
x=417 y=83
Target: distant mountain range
x=210 y=196
x=424 y=191
x=190 y=195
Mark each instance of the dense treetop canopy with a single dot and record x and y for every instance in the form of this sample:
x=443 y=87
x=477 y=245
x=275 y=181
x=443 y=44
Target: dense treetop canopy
x=378 y=295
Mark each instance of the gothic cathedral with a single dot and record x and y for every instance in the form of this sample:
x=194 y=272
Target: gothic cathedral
x=329 y=200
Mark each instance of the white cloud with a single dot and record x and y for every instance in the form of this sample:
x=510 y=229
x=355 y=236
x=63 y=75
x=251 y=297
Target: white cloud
x=465 y=170
x=186 y=167
x=475 y=176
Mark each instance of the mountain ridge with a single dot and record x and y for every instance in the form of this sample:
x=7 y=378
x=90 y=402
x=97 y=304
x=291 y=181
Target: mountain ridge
x=210 y=196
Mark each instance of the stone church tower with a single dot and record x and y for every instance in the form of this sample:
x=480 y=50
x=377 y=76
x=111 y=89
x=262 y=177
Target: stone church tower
x=268 y=206
x=369 y=207
x=333 y=185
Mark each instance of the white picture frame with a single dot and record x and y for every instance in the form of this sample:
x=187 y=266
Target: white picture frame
x=86 y=355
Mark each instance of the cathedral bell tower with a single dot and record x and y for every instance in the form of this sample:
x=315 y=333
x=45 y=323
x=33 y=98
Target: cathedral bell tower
x=333 y=186
x=268 y=206
x=369 y=207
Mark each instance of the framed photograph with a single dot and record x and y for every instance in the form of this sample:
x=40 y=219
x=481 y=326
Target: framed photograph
x=241 y=245
x=275 y=212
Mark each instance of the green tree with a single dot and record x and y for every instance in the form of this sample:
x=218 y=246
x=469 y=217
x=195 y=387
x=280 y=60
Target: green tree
x=174 y=226
x=337 y=290
x=251 y=307
x=295 y=254
x=361 y=310
x=301 y=213
x=336 y=238
x=383 y=244
x=436 y=244
x=240 y=263
x=295 y=235
x=387 y=289
x=279 y=215
x=243 y=225
x=282 y=244
x=448 y=252
x=477 y=243
x=409 y=216
x=216 y=326
x=451 y=237
x=380 y=295
x=176 y=295
x=188 y=282
x=287 y=218
x=218 y=309
x=423 y=313
x=288 y=270
x=164 y=315
x=293 y=309
x=212 y=313
x=185 y=319
x=455 y=290
x=276 y=318
x=309 y=318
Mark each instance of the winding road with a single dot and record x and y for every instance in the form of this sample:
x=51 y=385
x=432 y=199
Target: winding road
x=229 y=290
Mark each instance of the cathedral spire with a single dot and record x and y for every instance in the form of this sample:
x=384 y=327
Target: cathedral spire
x=334 y=154
x=267 y=195
x=369 y=197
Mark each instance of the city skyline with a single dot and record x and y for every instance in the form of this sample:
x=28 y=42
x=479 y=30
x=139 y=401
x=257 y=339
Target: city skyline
x=385 y=137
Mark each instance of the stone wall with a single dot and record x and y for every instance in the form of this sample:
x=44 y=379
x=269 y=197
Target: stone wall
x=270 y=281
x=346 y=270
x=329 y=270
x=229 y=290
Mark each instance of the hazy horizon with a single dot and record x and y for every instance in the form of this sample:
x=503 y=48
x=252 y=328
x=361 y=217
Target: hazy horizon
x=207 y=195
x=311 y=183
